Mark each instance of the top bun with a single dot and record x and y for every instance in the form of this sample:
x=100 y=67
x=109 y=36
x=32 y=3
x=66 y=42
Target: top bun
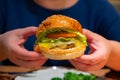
x=59 y=21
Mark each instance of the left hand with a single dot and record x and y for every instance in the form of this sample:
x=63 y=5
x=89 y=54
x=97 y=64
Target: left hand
x=97 y=56
x=11 y=46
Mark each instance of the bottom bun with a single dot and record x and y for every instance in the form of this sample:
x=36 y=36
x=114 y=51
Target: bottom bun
x=64 y=54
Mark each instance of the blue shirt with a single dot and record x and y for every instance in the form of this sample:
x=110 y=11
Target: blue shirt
x=96 y=15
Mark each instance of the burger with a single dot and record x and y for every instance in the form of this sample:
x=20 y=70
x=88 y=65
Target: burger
x=60 y=37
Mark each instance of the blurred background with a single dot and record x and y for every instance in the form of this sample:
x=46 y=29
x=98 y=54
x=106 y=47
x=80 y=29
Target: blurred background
x=116 y=4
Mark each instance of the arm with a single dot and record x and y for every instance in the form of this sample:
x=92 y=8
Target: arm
x=114 y=57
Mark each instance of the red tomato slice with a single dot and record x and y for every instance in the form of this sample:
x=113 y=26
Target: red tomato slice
x=65 y=35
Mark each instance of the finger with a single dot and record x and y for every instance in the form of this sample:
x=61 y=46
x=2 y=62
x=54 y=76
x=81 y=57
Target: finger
x=28 y=31
x=87 y=59
x=28 y=63
x=92 y=37
x=24 y=54
x=20 y=35
x=92 y=58
x=97 y=48
x=19 y=50
x=87 y=67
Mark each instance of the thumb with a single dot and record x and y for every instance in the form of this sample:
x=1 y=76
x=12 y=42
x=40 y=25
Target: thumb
x=29 y=31
x=91 y=36
x=24 y=33
x=93 y=39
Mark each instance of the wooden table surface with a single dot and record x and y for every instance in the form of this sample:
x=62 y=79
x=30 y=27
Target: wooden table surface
x=110 y=75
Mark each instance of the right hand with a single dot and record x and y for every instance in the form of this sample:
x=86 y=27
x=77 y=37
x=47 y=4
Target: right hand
x=98 y=55
x=11 y=46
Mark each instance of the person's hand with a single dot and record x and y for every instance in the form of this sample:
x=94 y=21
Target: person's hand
x=97 y=56
x=11 y=44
